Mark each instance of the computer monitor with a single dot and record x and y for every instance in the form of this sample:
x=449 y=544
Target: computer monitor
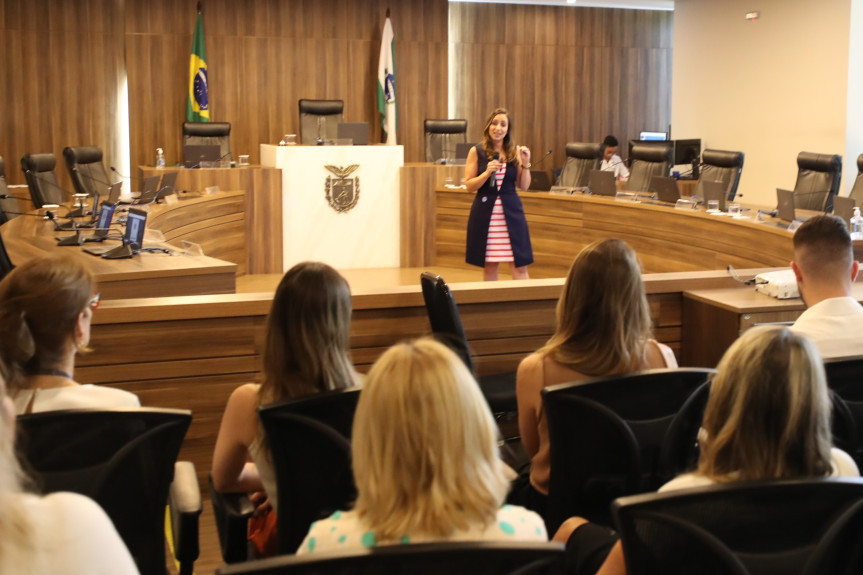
x=653 y=136
x=687 y=151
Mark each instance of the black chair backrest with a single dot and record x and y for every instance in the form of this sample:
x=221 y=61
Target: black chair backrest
x=209 y=134
x=444 y=317
x=460 y=558
x=720 y=166
x=8 y=204
x=753 y=527
x=5 y=263
x=857 y=190
x=619 y=435
x=319 y=119
x=121 y=458
x=312 y=463
x=441 y=137
x=818 y=177
x=39 y=172
x=87 y=170
x=581 y=158
x=647 y=161
x=845 y=379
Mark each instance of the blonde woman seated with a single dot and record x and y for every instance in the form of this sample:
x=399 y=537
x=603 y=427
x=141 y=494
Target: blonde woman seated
x=307 y=351
x=46 y=306
x=59 y=533
x=603 y=328
x=425 y=460
x=768 y=417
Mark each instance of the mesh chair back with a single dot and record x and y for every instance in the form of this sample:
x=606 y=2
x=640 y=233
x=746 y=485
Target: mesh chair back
x=857 y=190
x=845 y=379
x=87 y=170
x=319 y=120
x=39 y=172
x=818 y=178
x=720 y=166
x=755 y=527
x=121 y=458
x=619 y=435
x=441 y=136
x=460 y=558
x=209 y=134
x=312 y=462
x=647 y=161
x=581 y=158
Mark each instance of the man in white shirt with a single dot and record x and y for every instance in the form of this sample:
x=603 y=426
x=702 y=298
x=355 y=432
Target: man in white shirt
x=825 y=269
x=611 y=162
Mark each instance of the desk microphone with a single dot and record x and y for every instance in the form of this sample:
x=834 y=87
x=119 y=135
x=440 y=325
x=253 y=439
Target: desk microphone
x=219 y=161
x=12 y=197
x=547 y=154
x=116 y=171
x=611 y=165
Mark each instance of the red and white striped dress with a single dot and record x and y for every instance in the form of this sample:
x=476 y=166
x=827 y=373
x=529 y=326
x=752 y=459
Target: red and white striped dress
x=498 y=248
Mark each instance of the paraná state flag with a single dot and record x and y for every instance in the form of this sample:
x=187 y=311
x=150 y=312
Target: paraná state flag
x=387 y=85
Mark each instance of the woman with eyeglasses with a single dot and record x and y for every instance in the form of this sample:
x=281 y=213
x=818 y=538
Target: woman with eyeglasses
x=46 y=306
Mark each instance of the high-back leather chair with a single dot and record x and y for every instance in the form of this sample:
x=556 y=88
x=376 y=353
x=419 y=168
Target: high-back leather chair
x=319 y=120
x=39 y=172
x=818 y=177
x=8 y=206
x=209 y=134
x=647 y=161
x=441 y=136
x=857 y=190
x=720 y=166
x=87 y=170
x=581 y=158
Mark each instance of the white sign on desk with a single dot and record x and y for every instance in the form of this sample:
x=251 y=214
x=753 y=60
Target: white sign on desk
x=364 y=236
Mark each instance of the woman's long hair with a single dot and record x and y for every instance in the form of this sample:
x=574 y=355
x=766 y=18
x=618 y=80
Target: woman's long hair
x=603 y=319
x=40 y=301
x=509 y=147
x=768 y=416
x=424 y=445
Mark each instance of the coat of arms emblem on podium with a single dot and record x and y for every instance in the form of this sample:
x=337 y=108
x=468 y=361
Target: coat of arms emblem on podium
x=342 y=192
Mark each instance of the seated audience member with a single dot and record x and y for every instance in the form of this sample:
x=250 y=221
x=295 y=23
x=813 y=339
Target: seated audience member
x=768 y=417
x=46 y=305
x=307 y=351
x=603 y=328
x=425 y=460
x=59 y=533
x=825 y=269
x=611 y=162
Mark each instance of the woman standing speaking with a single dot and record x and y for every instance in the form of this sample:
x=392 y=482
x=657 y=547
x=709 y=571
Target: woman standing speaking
x=496 y=229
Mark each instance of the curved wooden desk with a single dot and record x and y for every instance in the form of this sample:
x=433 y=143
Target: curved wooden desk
x=666 y=240
x=147 y=274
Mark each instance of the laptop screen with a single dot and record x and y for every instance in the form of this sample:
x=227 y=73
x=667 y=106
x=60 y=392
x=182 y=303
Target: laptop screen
x=785 y=205
x=135 y=224
x=106 y=214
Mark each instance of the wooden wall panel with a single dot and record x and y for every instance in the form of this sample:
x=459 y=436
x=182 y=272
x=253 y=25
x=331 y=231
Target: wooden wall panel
x=565 y=73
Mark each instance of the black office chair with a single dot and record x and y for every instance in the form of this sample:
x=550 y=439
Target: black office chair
x=319 y=120
x=857 y=190
x=845 y=379
x=39 y=172
x=124 y=459
x=5 y=263
x=498 y=389
x=581 y=158
x=619 y=435
x=8 y=206
x=818 y=177
x=441 y=136
x=720 y=166
x=647 y=161
x=745 y=528
x=209 y=134
x=87 y=170
x=461 y=558
x=297 y=508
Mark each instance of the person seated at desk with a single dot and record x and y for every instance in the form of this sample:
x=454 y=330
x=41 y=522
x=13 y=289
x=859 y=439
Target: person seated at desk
x=425 y=460
x=603 y=328
x=767 y=417
x=46 y=306
x=825 y=269
x=611 y=162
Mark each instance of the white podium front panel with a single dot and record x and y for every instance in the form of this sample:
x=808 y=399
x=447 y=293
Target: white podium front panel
x=365 y=233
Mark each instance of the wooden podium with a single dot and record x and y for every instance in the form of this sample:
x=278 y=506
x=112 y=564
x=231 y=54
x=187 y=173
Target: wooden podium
x=340 y=204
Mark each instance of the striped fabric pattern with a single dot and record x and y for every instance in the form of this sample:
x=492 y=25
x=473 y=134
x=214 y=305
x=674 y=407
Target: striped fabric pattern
x=498 y=248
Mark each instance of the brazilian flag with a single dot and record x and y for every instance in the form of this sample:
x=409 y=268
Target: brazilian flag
x=198 y=104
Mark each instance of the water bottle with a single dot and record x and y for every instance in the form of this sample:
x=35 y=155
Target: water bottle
x=160 y=158
x=857 y=225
